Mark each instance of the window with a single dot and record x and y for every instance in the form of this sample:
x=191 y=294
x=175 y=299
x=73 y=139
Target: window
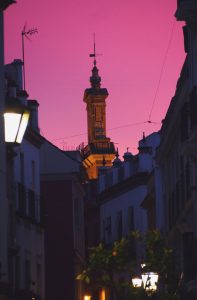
x=108 y=229
x=98 y=113
x=77 y=213
x=182 y=182
x=17 y=272
x=184 y=122
x=170 y=213
x=121 y=173
x=186 y=35
x=193 y=107
x=39 y=278
x=119 y=225
x=131 y=225
x=95 y=234
x=103 y=229
x=189 y=255
x=22 y=167
x=32 y=204
x=27 y=275
x=177 y=198
x=33 y=174
x=171 y=205
x=187 y=181
x=173 y=208
x=21 y=198
x=108 y=179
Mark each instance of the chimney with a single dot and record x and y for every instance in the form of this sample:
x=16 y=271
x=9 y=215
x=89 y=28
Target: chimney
x=18 y=65
x=33 y=106
x=11 y=89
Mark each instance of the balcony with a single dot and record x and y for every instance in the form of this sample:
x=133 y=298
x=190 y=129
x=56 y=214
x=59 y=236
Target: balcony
x=28 y=207
x=102 y=147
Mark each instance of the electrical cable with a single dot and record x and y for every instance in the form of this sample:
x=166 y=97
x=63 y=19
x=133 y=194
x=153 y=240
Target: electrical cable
x=113 y=128
x=154 y=99
x=162 y=70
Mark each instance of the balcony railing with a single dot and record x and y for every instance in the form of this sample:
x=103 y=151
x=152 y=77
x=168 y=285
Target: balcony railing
x=28 y=204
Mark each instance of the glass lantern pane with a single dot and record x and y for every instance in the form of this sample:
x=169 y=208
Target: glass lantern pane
x=23 y=126
x=137 y=282
x=11 y=125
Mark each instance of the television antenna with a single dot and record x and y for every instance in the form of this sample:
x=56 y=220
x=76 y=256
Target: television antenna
x=26 y=33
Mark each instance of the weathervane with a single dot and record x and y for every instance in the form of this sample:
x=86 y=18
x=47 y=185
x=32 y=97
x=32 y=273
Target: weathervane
x=94 y=54
x=26 y=33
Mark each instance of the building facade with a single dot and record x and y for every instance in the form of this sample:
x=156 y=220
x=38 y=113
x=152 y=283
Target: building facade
x=25 y=235
x=177 y=159
x=122 y=189
x=63 y=208
x=26 y=229
x=21 y=233
x=4 y=284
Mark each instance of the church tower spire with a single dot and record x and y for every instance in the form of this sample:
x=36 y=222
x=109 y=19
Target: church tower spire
x=98 y=144
x=95 y=97
x=95 y=79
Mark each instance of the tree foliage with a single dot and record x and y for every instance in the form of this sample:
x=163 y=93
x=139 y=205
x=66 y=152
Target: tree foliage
x=104 y=263
x=106 y=267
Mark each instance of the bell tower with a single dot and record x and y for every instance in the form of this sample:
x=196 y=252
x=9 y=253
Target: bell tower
x=95 y=100
x=100 y=150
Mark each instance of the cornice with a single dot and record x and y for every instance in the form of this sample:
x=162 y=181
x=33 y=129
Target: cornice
x=124 y=186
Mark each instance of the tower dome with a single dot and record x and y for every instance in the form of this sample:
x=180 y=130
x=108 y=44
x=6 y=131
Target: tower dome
x=128 y=155
x=117 y=161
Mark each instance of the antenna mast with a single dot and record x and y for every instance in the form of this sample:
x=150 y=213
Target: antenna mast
x=26 y=33
x=94 y=54
x=94 y=50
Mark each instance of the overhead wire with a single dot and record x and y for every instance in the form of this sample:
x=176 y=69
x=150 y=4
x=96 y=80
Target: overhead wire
x=113 y=128
x=154 y=98
x=162 y=70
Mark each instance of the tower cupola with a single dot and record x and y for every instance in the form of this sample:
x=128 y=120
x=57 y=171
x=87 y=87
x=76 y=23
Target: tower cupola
x=127 y=155
x=95 y=79
x=117 y=161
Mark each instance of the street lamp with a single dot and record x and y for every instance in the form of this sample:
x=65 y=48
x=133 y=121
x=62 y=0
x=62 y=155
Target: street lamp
x=137 y=282
x=149 y=280
x=87 y=297
x=16 y=118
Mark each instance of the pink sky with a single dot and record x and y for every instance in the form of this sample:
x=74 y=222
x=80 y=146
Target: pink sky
x=132 y=36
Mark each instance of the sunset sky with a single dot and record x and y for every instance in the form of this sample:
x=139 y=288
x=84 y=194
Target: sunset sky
x=141 y=45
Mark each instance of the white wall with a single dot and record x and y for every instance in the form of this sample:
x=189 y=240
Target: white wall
x=134 y=197
x=29 y=234
x=31 y=153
